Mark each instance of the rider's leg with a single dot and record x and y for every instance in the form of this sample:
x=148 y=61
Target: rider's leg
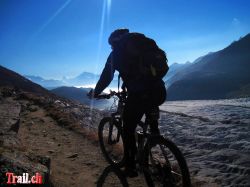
x=132 y=115
x=152 y=116
x=157 y=97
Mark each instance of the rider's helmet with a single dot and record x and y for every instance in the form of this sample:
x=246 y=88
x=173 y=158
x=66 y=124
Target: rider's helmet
x=116 y=35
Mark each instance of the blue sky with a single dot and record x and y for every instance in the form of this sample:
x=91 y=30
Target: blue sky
x=56 y=38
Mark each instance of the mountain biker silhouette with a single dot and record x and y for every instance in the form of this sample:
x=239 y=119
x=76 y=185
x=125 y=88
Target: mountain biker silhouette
x=144 y=94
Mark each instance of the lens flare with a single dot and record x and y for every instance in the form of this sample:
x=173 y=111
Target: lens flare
x=51 y=18
x=108 y=12
x=106 y=8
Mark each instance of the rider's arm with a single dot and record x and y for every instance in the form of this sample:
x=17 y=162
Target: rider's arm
x=106 y=76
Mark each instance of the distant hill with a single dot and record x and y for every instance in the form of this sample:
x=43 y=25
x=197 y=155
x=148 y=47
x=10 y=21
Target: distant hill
x=85 y=79
x=88 y=79
x=46 y=83
x=173 y=70
x=80 y=95
x=219 y=75
x=10 y=78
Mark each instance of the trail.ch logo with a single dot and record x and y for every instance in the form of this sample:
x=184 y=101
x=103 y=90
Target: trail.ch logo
x=24 y=179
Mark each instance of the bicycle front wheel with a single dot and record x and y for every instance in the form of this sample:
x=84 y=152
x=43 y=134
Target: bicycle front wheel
x=164 y=164
x=110 y=139
x=112 y=176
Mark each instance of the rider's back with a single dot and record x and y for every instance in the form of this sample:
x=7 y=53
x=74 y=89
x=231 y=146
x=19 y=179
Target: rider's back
x=141 y=63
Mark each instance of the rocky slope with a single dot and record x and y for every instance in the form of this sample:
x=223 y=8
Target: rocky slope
x=44 y=133
x=54 y=137
x=12 y=79
x=14 y=156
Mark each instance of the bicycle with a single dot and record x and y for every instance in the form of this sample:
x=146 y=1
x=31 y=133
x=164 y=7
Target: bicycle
x=160 y=160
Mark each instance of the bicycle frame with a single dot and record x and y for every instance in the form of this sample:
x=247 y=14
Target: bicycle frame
x=116 y=118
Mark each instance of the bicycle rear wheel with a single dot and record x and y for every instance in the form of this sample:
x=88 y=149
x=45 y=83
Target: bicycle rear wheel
x=110 y=139
x=164 y=164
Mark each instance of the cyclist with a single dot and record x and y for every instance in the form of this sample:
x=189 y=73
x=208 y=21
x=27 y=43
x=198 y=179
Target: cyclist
x=144 y=95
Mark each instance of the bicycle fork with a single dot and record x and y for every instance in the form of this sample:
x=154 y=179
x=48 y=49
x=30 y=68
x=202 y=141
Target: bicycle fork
x=116 y=139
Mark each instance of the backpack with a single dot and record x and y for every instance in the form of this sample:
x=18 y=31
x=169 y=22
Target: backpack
x=142 y=58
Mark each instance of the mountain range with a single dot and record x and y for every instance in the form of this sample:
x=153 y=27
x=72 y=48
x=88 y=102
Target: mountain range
x=219 y=75
x=46 y=83
x=85 y=79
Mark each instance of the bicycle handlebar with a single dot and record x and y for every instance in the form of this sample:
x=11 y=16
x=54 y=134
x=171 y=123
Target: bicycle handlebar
x=111 y=94
x=103 y=96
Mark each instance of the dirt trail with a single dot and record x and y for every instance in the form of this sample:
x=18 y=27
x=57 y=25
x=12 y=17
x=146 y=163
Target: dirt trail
x=75 y=160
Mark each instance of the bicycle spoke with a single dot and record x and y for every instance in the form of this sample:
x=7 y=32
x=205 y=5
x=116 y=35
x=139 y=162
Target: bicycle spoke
x=164 y=168
x=111 y=142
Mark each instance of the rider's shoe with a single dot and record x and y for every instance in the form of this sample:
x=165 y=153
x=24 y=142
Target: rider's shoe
x=130 y=172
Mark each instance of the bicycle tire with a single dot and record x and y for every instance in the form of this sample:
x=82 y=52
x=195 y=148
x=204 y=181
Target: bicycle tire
x=185 y=176
x=118 y=173
x=106 y=122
